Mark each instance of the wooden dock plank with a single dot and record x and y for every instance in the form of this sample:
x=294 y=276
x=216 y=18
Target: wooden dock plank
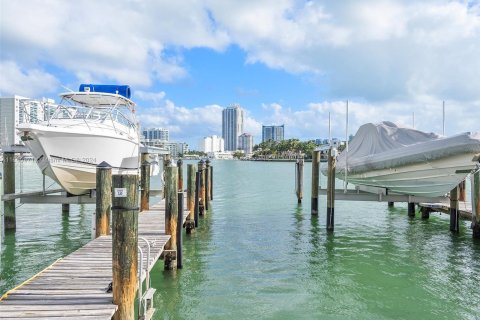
x=75 y=286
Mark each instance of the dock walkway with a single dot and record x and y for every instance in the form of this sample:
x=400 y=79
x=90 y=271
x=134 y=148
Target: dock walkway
x=75 y=287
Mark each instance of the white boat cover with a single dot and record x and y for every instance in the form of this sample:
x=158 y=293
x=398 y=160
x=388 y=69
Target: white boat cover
x=386 y=145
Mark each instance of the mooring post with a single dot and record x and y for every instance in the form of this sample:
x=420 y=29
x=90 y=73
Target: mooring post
x=179 y=230
x=124 y=244
x=197 y=197
x=411 y=209
x=315 y=181
x=201 y=169
x=190 y=223
x=391 y=204
x=332 y=162
x=9 y=187
x=145 y=186
x=166 y=163
x=211 y=182
x=475 y=185
x=299 y=179
x=461 y=191
x=171 y=216
x=425 y=212
x=65 y=208
x=1 y=215
x=207 y=184
x=103 y=199
x=454 y=214
x=180 y=174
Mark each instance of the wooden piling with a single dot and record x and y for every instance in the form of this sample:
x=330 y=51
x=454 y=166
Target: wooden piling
x=190 y=223
x=315 y=181
x=476 y=204
x=201 y=169
x=179 y=230
x=211 y=182
x=332 y=162
x=197 y=198
x=171 y=215
x=425 y=212
x=124 y=244
x=9 y=187
x=166 y=162
x=207 y=185
x=65 y=208
x=461 y=191
x=180 y=174
x=103 y=199
x=411 y=209
x=299 y=179
x=454 y=214
x=145 y=186
x=391 y=204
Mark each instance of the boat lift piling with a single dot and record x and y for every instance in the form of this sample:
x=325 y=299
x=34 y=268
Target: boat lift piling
x=103 y=199
x=315 y=181
x=207 y=184
x=124 y=244
x=145 y=185
x=171 y=216
x=299 y=179
x=9 y=188
x=475 y=186
x=180 y=174
x=454 y=214
x=190 y=223
x=332 y=161
x=201 y=169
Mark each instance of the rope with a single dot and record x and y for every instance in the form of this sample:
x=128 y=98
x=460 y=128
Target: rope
x=28 y=280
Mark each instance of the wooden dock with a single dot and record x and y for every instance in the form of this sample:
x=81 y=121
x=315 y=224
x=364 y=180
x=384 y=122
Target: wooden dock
x=464 y=208
x=75 y=287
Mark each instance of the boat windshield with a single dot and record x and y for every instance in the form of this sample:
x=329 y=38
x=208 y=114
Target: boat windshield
x=110 y=112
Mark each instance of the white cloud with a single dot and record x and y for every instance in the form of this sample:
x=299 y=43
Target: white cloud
x=25 y=83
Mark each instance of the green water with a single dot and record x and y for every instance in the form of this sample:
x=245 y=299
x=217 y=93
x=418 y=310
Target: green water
x=260 y=255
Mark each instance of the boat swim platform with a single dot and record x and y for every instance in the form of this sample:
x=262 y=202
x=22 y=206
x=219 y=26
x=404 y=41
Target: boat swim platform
x=75 y=287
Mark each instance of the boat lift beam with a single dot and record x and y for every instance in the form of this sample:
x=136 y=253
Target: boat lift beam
x=360 y=195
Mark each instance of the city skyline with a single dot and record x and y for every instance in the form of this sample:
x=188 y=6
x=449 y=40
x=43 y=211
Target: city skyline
x=296 y=64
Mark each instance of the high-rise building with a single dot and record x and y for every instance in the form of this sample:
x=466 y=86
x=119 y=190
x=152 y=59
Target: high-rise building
x=274 y=133
x=212 y=144
x=15 y=110
x=232 y=126
x=245 y=143
x=156 y=134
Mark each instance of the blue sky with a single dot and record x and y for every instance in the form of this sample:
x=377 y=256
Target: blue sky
x=285 y=61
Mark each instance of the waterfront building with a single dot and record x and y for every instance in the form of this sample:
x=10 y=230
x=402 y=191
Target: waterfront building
x=245 y=143
x=274 y=133
x=232 y=126
x=17 y=109
x=176 y=149
x=156 y=134
x=212 y=144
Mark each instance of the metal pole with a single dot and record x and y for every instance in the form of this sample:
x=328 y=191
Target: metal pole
x=346 y=152
x=329 y=131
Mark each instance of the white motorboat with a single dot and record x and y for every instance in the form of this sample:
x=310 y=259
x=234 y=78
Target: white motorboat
x=88 y=127
x=407 y=161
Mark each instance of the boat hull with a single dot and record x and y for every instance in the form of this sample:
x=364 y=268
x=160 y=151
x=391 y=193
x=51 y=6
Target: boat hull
x=70 y=157
x=428 y=178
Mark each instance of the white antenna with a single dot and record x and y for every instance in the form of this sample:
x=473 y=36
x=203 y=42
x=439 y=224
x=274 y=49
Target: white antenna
x=443 y=130
x=66 y=88
x=346 y=150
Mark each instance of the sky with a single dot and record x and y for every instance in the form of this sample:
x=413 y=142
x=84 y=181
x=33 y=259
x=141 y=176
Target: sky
x=284 y=61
